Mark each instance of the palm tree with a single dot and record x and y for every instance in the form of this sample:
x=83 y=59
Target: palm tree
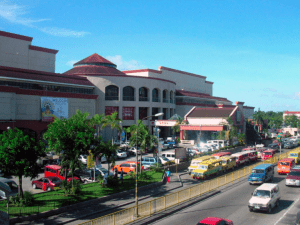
x=113 y=122
x=109 y=150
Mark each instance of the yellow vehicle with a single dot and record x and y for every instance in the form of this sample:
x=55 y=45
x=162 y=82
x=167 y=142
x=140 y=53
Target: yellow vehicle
x=228 y=162
x=197 y=161
x=295 y=154
x=207 y=169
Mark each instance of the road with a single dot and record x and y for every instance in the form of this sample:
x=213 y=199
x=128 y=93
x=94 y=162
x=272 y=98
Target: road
x=232 y=203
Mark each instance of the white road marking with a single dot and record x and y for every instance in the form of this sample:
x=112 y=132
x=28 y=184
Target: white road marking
x=287 y=211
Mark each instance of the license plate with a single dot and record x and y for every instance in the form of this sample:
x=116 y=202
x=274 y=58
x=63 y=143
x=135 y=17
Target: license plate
x=254 y=181
x=257 y=207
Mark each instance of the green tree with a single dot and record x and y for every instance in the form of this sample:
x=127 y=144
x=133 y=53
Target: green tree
x=109 y=150
x=71 y=137
x=291 y=120
x=18 y=155
x=113 y=122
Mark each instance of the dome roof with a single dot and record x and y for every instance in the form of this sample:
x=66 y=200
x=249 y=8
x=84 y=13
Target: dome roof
x=95 y=65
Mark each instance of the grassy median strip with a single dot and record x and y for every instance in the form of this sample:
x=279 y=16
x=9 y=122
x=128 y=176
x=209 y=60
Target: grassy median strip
x=55 y=199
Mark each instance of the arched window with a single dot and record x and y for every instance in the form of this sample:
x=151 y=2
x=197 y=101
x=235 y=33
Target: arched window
x=128 y=94
x=155 y=95
x=111 y=93
x=165 y=96
x=143 y=94
x=171 y=97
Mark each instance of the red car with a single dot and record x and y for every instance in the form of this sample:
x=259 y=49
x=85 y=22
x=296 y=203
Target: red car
x=54 y=171
x=50 y=183
x=215 y=221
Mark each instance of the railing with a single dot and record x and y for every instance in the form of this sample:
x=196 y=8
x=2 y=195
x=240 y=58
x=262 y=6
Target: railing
x=109 y=98
x=155 y=99
x=143 y=99
x=128 y=98
x=165 y=100
x=148 y=208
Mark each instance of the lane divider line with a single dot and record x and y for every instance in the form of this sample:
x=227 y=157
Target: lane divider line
x=287 y=211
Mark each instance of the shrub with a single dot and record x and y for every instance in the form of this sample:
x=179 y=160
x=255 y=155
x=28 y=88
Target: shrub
x=171 y=162
x=156 y=168
x=76 y=189
x=132 y=175
x=145 y=176
x=66 y=187
x=112 y=182
x=27 y=199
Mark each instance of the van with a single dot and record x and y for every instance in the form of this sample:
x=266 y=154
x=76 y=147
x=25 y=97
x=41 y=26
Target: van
x=267 y=154
x=220 y=154
x=9 y=185
x=198 y=161
x=147 y=162
x=241 y=158
x=284 y=166
x=295 y=155
x=228 y=162
x=252 y=154
x=207 y=169
x=261 y=173
x=265 y=197
x=54 y=171
x=169 y=155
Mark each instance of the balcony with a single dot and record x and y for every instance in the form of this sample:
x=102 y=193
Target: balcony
x=111 y=98
x=143 y=99
x=128 y=98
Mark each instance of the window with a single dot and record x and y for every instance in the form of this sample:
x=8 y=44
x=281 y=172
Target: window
x=143 y=94
x=165 y=96
x=111 y=109
x=155 y=95
x=125 y=165
x=111 y=93
x=128 y=113
x=143 y=112
x=128 y=94
x=171 y=97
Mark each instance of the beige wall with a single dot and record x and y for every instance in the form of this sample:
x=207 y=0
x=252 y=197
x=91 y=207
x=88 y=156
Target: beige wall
x=207 y=121
x=16 y=53
x=136 y=83
x=28 y=107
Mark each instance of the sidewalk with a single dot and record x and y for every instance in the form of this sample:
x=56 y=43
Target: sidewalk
x=83 y=214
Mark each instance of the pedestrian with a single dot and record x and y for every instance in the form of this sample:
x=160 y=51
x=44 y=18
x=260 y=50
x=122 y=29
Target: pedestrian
x=116 y=173
x=105 y=179
x=121 y=176
x=168 y=173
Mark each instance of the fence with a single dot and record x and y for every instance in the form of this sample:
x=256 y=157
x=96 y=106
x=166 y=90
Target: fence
x=148 y=208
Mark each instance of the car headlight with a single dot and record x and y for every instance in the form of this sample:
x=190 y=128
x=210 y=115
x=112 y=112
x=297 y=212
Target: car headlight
x=251 y=204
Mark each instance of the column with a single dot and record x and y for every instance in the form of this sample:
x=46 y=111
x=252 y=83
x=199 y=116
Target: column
x=181 y=135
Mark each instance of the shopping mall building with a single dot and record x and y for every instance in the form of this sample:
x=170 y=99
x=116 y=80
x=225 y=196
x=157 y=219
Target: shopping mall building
x=32 y=94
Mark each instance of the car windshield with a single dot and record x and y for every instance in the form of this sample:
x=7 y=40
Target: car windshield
x=257 y=171
x=224 y=162
x=165 y=159
x=202 y=167
x=294 y=173
x=12 y=185
x=195 y=163
x=84 y=156
x=262 y=194
x=267 y=153
x=284 y=163
x=55 y=180
x=293 y=154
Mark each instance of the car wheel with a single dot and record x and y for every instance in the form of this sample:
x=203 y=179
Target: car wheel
x=85 y=181
x=34 y=186
x=49 y=189
x=269 y=209
x=250 y=209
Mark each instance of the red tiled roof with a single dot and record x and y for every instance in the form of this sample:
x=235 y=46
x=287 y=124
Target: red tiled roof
x=94 y=70
x=211 y=112
x=199 y=95
x=43 y=76
x=95 y=58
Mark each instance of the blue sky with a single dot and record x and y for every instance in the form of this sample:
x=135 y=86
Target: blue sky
x=249 y=49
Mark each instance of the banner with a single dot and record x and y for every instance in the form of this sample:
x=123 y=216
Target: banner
x=54 y=108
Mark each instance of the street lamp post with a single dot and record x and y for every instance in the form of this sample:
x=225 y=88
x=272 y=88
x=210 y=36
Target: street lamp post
x=121 y=132
x=136 y=170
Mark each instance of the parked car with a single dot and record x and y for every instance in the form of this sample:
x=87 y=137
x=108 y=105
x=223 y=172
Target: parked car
x=191 y=152
x=121 y=154
x=147 y=162
x=133 y=150
x=124 y=144
x=50 y=183
x=117 y=142
x=10 y=185
x=288 y=145
x=215 y=221
x=104 y=171
x=54 y=171
x=83 y=159
x=128 y=166
x=1 y=173
x=163 y=160
x=265 y=197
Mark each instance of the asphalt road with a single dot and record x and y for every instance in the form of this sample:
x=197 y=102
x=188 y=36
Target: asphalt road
x=232 y=203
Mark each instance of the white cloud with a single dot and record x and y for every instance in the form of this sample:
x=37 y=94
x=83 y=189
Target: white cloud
x=17 y=14
x=62 y=32
x=125 y=65
x=71 y=62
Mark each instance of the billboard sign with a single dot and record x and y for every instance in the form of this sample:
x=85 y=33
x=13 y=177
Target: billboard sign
x=54 y=108
x=180 y=153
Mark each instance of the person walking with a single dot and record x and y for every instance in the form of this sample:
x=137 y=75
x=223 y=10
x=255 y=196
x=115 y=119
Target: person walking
x=121 y=176
x=116 y=173
x=168 y=173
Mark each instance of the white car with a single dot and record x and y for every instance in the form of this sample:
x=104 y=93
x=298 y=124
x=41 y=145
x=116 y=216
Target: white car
x=104 y=171
x=124 y=144
x=163 y=159
x=121 y=154
x=83 y=159
x=133 y=149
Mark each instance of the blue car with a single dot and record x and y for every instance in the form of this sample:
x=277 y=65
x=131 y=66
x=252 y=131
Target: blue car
x=261 y=173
